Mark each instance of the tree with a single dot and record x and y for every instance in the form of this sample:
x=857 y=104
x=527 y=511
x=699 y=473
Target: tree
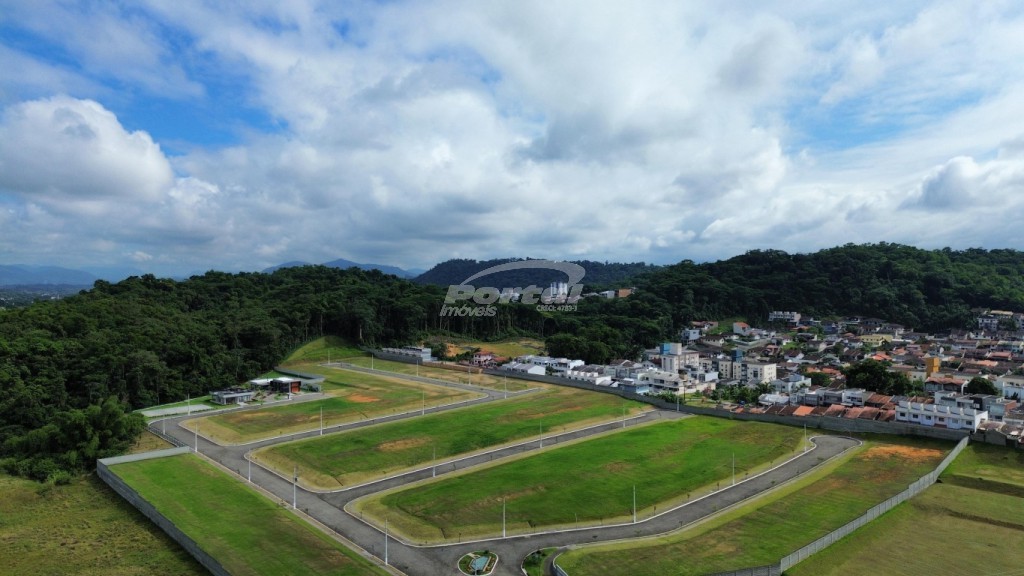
x=820 y=379
x=981 y=385
x=875 y=375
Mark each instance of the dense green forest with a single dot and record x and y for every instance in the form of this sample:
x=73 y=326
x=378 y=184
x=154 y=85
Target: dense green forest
x=70 y=369
x=600 y=275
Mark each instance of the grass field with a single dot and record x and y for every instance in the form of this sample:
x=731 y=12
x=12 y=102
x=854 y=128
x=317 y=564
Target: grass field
x=82 y=528
x=245 y=532
x=321 y=350
x=349 y=396
x=982 y=529
x=592 y=480
x=338 y=460
x=777 y=524
x=981 y=464
x=510 y=348
x=455 y=375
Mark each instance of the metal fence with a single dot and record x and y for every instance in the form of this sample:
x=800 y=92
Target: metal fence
x=914 y=489
x=831 y=538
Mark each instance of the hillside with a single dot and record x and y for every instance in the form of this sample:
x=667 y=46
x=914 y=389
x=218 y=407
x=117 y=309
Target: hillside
x=600 y=274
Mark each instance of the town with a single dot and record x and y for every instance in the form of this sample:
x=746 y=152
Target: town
x=796 y=367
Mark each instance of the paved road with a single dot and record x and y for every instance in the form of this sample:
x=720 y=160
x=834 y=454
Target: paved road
x=328 y=508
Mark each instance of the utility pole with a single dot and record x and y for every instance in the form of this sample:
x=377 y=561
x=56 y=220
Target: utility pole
x=196 y=430
x=423 y=408
x=541 y=427
x=623 y=416
x=506 y=386
x=188 y=403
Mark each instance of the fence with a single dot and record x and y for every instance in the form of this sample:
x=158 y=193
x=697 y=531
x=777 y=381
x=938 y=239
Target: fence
x=914 y=489
x=149 y=511
x=831 y=538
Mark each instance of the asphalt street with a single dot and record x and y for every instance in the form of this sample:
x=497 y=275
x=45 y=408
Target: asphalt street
x=434 y=560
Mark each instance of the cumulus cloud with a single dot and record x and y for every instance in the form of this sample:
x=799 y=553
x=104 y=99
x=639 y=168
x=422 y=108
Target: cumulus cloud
x=62 y=149
x=412 y=133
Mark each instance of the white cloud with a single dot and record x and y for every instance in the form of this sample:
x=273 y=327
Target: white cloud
x=414 y=132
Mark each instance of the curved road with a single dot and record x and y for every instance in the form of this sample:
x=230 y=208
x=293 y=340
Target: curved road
x=328 y=508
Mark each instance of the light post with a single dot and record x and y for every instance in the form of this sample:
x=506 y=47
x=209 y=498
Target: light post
x=295 y=490
x=634 y=503
x=248 y=475
x=733 y=468
x=502 y=516
x=423 y=407
x=321 y=420
x=433 y=472
x=385 y=540
x=195 y=429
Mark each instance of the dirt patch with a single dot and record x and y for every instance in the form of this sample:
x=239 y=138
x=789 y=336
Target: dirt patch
x=362 y=398
x=615 y=467
x=403 y=444
x=903 y=452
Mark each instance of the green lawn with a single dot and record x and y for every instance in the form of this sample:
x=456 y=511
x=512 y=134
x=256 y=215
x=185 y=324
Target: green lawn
x=985 y=526
x=82 y=528
x=344 y=459
x=349 y=396
x=330 y=348
x=777 y=524
x=245 y=532
x=592 y=480
x=987 y=464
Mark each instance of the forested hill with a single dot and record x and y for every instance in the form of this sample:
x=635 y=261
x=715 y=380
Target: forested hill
x=598 y=274
x=70 y=368
x=922 y=289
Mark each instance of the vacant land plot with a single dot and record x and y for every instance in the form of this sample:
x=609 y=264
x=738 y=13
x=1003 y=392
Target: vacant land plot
x=977 y=527
x=457 y=374
x=350 y=396
x=245 y=532
x=338 y=460
x=82 y=528
x=329 y=348
x=506 y=348
x=769 y=528
x=592 y=480
x=982 y=464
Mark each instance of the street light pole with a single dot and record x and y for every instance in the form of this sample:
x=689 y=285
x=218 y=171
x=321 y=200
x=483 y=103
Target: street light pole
x=321 y=420
x=385 y=540
x=248 y=475
x=295 y=491
x=502 y=516
x=733 y=468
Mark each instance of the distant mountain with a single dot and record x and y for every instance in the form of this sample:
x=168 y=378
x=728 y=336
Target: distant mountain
x=346 y=264
x=598 y=274
x=114 y=273
x=292 y=264
x=17 y=274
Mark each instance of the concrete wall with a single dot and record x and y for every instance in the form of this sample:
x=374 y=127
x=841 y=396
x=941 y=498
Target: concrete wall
x=147 y=509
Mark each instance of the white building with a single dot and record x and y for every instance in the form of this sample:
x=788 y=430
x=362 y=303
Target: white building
x=524 y=368
x=952 y=417
x=778 y=316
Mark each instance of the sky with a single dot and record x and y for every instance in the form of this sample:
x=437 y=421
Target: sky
x=176 y=137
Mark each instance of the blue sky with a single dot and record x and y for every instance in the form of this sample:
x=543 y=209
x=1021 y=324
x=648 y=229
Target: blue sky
x=179 y=137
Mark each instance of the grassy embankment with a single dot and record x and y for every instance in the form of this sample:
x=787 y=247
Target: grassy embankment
x=591 y=480
x=244 y=531
x=83 y=528
x=971 y=522
x=348 y=458
x=776 y=524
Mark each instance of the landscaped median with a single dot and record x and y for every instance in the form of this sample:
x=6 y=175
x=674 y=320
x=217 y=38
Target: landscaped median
x=765 y=530
x=342 y=460
x=589 y=482
x=243 y=531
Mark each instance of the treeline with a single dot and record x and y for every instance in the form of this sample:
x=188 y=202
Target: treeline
x=68 y=366
x=598 y=274
x=927 y=290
